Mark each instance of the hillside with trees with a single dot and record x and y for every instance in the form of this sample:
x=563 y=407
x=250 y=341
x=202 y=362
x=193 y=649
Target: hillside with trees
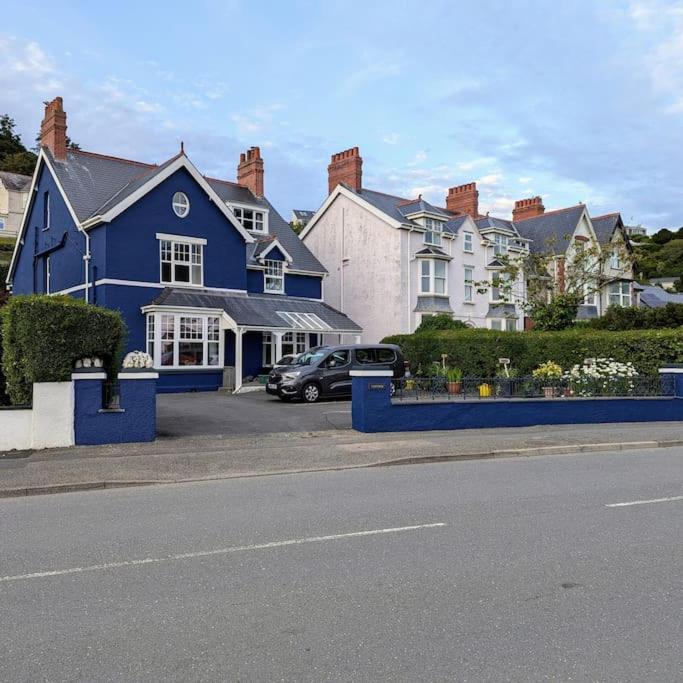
x=660 y=255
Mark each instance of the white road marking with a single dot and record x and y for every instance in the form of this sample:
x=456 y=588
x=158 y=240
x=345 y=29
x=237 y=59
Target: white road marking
x=644 y=502
x=216 y=551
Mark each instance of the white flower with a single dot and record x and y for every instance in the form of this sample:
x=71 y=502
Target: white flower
x=138 y=359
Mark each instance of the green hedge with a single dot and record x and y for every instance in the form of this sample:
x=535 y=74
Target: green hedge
x=477 y=352
x=43 y=336
x=4 y=398
x=632 y=318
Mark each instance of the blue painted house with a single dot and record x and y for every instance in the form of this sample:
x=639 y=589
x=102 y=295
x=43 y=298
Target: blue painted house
x=210 y=279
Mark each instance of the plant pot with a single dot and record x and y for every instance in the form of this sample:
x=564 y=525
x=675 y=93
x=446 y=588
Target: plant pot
x=550 y=392
x=454 y=387
x=567 y=392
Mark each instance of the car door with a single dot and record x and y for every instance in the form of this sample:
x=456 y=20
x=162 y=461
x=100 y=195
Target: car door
x=336 y=379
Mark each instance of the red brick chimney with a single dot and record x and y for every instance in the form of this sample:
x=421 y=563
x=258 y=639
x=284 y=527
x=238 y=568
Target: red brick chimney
x=463 y=199
x=345 y=167
x=250 y=171
x=53 y=129
x=527 y=208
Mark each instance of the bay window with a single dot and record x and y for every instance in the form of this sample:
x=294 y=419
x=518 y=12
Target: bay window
x=433 y=277
x=500 y=246
x=182 y=261
x=619 y=294
x=184 y=340
x=274 y=278
x=433 y=232
x=500 y=285
x=503 y=324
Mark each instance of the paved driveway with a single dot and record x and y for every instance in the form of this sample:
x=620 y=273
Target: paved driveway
x=195 y=414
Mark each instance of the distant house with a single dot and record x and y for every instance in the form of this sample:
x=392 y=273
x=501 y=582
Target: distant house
x=635 y=231
x=14 y=189
x=393 y=261
x=300 y=218
x=668 y=283
x=208 y=276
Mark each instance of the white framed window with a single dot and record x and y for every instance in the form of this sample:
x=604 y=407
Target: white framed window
x=2 y=223
x=588 y=294
x=499 y=286
x=469 y=285
x=619 y=294
x=468 y=243
x=182 y=262
x=503 y=324
x=500 y=244
x=251 y=219
x=433 y=276
x=615 y=260
x=434 y=230
x=48 y=275
x=184 y=340
x=181 y=204
x=274 y=277
x=46 y=211
x=294 y=343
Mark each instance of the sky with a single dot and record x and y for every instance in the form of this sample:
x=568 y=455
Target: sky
x=578 y=101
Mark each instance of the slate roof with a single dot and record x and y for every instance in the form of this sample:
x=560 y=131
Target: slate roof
x=408 y=207
x=656 y=297
x=490 y=222
x=15 y=181
x=605 y=226
x=255 y=310
x=433 y=251
x=432 y=304
x=551 y=229
x=303 y=215
x=95 y=183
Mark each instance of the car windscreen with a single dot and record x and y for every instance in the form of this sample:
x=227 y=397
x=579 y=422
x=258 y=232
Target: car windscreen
x=310 y=357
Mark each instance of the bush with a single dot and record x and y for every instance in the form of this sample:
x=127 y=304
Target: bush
x=477 y=351
x=43 y=336
x=441 y=321
x=4 y=398
x=618 y=318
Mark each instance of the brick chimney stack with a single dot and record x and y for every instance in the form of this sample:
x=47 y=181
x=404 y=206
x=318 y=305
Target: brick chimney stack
x=463 y=199
x=345 y=167
x=53 y=129
x=250 y=170
x=527 y=208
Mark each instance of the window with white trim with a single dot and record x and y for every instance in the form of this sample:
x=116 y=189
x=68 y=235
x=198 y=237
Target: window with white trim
x=468 y=242
x=181 y=204
x=274 y=277
x=469 y=285
x=185 y=340
x=619 y=294
x=251 y=219
x=2 y=223
x=434 y=230
x=615 y=260
x=504 y=324
x=500 y=244
x=588 y=294
x=500 y=286
x=181 y=262
x=433 y=276
x=48 y=274
x=46 y=210
x=294 y=343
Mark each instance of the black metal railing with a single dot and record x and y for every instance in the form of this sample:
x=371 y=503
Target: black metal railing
x=111 y=395
x=491 y=388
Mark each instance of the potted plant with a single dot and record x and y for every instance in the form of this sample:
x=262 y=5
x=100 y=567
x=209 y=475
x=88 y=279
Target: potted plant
x=137 y=361
x=454 y=380
x=548 y=372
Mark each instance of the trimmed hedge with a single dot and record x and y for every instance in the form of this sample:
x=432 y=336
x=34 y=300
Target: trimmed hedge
x=632 y=318
x=43 y=336
x=477 y=352
x=4 y=398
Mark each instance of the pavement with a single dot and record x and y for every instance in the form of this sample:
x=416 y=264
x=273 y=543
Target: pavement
x=516 y=569
x=180 y=459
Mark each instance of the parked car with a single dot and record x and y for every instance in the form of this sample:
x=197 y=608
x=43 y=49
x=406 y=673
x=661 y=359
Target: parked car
x=286 y=360
x=324 y=371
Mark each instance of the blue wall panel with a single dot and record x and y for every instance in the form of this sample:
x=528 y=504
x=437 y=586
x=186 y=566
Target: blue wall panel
x=252 y=353
x=171 y=381
x=307 y=286
x=255 y=281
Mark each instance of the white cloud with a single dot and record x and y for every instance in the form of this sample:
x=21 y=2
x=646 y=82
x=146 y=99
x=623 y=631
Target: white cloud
x=391 y=138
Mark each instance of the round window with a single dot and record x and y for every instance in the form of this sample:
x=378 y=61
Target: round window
x=181 y=204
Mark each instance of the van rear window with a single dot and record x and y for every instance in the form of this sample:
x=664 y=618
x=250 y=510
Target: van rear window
x=375 y=356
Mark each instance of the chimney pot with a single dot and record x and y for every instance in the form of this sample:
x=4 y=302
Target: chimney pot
x=463 y=199
x=250 y=171
x=527 y=208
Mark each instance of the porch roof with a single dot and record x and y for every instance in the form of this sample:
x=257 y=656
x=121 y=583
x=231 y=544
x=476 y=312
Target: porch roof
x=259 y=311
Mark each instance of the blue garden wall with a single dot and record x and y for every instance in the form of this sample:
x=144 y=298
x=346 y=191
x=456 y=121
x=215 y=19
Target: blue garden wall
x=373 y=411
x=135 y=420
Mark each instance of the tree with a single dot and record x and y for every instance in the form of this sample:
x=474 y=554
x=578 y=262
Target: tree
x=556 y=284
x=14 y=157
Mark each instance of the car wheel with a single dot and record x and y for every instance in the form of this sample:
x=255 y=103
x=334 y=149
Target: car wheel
x=311 y=393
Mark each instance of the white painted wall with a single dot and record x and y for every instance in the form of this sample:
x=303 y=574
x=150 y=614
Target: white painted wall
x=12 y=206
x=49 y=424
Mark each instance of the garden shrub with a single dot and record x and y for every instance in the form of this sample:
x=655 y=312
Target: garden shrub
x=441 y=321
x=43 y=336
x=631 y=318
x=477 y=351
x=4 y=398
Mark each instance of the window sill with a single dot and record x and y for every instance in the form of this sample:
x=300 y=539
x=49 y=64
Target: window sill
x=441 y=296
x=469 y=303
x=266 y=291
x=180 y=284
x=189 y=368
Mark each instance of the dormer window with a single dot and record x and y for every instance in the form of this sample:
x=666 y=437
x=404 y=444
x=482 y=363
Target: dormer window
x=274 y=277
x=500 y=244
x=433 y=232
x=251 y=219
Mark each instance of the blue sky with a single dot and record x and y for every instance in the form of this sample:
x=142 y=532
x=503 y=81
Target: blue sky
x=575 y=101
